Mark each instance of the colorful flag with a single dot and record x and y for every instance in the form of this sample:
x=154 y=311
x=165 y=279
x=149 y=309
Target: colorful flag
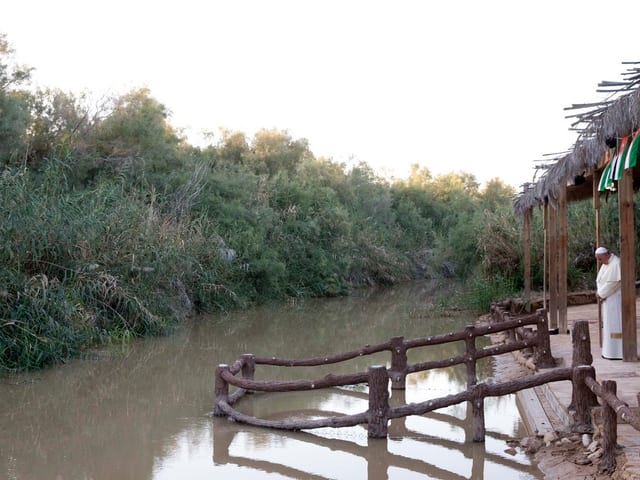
x=605 y=179
x=631 y=158
x=619 y=159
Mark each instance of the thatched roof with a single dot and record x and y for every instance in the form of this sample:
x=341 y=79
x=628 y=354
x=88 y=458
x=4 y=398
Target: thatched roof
x=617 y=116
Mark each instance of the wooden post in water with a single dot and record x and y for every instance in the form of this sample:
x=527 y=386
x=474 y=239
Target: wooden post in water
x=221 y=389
x=378 y=401
x=477 y=402
x=584 y=398
x=470 y=355
x=398 y=370
x=248 y=365
x=610 y=430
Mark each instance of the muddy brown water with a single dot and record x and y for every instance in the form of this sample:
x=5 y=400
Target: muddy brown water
x=143 y=411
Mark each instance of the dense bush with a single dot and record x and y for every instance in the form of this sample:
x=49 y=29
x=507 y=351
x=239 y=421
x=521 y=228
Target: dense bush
x=112 y=226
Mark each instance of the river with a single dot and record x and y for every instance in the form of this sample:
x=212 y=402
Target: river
x=142 y=411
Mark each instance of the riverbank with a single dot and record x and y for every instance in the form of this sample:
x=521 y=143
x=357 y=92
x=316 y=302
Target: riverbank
x=557 y=452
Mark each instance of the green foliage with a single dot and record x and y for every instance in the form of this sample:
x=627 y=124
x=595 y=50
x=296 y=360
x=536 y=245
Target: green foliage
x=112 y=227
x=59 y=122
x=14 y=107
x=481 y=291
x=14 y=119
x=500 y=242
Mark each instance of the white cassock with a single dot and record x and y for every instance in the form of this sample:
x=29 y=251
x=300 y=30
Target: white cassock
x=608 y=282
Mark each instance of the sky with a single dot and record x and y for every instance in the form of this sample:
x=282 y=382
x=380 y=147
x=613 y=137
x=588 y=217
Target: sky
x=454 y=86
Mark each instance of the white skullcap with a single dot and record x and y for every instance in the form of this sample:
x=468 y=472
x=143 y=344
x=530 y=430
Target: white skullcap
x=601 y=250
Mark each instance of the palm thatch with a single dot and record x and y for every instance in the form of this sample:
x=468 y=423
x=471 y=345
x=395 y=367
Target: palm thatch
x=615 y=117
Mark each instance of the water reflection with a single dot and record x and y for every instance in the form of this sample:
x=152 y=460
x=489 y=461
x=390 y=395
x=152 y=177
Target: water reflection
x=144 y=414
x=436 y=445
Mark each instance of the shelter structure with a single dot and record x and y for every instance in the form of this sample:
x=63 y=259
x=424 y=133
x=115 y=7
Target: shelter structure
x=601 y=162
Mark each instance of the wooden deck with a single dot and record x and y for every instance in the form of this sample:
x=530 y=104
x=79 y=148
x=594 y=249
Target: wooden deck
x=545 y=408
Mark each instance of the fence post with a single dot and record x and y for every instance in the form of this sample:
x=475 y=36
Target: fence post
x=248 y=365
x=511 y=333
x=584 y=398
x=609 y=431
x=544 y=359
x=581 y=342
x=398 y=372
x=477 y=407
x=221 y=389
x=378 y=401
x=581 y=353
x=470 y=355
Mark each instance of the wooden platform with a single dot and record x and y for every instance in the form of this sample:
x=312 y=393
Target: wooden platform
x=550 y=409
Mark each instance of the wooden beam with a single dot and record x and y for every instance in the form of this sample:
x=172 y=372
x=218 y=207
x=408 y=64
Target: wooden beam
x=562 y=261
x=598 y=235
x=545 y=255
x=627 y=266
x=526 y=246
x=552 y=230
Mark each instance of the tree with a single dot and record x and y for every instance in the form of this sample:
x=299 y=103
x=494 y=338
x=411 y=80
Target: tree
x=419 y=177
x=59 y=121
x=14 y=111
x=11 y=75
x=274 y=150
x=496 y=192
x=138 y=127
x=233 y=148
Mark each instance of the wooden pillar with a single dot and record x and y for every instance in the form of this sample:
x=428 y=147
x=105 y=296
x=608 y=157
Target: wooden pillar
x=221 y=389
x=248 y=365
x=584 y=399
x=398 y=371
x=581 y=344
x=581 y=349
x=544 y=359
x=552 y=230
x=526 y=250
x=627 y=266
x=609 y=430
x=562 y=261
x=470 y=353
x=378 y=401
x=477 y=411
x=598 y=235
x=545 y=255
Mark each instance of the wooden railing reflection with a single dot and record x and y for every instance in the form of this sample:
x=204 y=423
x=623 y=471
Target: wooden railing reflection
x=378 y=458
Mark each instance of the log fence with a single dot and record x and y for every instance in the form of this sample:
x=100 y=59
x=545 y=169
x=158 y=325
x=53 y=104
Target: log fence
x=519 y=336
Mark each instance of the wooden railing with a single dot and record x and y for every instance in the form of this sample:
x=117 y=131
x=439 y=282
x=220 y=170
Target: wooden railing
x=586 y=390
x=378 y=377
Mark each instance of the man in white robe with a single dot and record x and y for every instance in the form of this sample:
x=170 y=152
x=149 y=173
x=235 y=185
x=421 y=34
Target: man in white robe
x=608 y=283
